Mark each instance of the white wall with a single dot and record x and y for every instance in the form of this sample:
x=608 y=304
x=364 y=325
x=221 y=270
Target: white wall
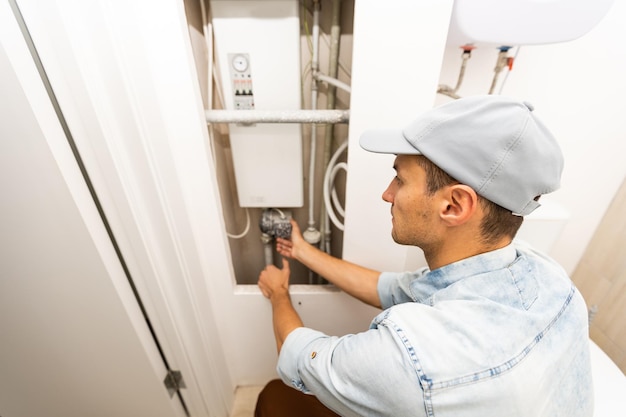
x=396 y=61
x=578 y=89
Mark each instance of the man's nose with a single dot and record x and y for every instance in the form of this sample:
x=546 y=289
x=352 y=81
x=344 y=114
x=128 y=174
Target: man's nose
x=388 y=195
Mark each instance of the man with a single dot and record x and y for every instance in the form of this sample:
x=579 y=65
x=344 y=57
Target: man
x=489 y=328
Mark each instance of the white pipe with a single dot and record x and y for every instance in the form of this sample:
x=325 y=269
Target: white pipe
x=501 y=63
x=333 y=70
x=277 y=116
x=333 y=81
x=335 y=199
x=506 y=75
x=315 y=35
x=267 y=248
x=452 y=92
x=245 y=230
x=313 y=151
x=311 y=234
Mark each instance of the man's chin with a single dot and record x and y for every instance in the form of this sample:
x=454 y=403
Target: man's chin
x=399 y=240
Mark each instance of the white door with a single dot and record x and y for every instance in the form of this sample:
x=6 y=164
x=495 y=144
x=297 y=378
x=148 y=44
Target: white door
x=114 y=79
x=73 y=341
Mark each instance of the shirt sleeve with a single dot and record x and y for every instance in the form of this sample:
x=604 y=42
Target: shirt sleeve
x=354 y=375
x=298 y=342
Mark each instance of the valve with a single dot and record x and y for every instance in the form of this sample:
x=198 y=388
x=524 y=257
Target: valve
x=312 y=235
x=509 y=63
x=276 y=223
x=467 y=48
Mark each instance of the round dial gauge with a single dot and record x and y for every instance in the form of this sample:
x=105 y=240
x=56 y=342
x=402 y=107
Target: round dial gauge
x=240 y=63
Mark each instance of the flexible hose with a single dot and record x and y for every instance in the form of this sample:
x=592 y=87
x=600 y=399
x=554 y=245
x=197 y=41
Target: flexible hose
x=329 y=190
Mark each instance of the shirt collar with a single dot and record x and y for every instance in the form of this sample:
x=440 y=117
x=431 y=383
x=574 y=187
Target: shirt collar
x=435 y=280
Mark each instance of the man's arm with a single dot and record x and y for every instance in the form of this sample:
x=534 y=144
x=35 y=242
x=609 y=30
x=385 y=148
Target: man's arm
x=358 y=281
x=274 y=284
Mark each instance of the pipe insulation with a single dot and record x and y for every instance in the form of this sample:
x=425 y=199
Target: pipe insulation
x=277 y=116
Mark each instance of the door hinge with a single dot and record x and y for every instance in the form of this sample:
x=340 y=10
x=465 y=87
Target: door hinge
x=173 y=382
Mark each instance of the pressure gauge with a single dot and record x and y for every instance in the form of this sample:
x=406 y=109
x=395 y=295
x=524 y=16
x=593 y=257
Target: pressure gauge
x=240 y=63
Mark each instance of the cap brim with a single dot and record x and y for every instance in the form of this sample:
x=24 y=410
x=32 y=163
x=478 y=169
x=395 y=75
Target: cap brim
x=387 y=141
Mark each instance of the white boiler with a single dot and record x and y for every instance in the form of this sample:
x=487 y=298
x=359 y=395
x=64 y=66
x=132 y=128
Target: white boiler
x=257 y=49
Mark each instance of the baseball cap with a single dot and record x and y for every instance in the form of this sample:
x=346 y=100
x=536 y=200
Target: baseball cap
x=494 y=144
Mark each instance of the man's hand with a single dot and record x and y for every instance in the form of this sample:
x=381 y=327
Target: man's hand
x=289 y=248
x=356 y=280
x=275 y=282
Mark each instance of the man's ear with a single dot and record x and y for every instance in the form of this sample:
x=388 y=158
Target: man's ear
x=459 y=204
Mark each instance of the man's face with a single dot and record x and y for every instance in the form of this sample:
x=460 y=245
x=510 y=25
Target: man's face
x=413 y=211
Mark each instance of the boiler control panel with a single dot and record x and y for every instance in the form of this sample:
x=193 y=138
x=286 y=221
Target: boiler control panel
x=241 y=81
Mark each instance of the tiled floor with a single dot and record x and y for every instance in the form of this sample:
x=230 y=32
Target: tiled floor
x=245 y=400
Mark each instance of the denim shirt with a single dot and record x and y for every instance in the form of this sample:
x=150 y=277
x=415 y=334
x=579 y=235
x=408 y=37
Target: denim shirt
x=503 y=333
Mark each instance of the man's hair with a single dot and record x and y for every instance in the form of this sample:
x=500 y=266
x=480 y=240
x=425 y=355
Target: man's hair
x=497 y=221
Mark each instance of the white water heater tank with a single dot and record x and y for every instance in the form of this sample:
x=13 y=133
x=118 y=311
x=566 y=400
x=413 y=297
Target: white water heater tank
x=523 y=22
